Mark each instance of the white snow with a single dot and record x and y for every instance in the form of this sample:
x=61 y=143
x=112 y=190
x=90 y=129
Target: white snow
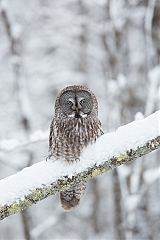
x=139 y=116
x=127 y=137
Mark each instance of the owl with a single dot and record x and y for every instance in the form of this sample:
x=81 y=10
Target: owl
x=74 y=126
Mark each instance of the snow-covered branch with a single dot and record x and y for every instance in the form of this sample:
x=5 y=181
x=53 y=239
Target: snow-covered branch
x=43 y=179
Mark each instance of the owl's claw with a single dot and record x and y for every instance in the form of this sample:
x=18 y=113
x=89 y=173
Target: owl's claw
x=48 y=157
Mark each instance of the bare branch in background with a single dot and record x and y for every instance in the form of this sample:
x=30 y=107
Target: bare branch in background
x=156 y=28
x=9 y=145
x=22 y=98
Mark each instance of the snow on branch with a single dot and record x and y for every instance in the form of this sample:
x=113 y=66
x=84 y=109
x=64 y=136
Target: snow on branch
x=46 y=178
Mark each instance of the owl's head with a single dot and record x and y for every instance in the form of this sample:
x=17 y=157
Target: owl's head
x=76 y=102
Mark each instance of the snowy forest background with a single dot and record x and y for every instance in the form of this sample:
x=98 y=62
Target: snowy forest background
x=113 y=47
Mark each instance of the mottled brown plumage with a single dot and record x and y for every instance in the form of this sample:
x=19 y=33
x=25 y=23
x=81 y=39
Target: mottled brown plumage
x=74 y=126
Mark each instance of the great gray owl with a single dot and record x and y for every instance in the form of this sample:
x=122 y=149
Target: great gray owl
x=74 y=126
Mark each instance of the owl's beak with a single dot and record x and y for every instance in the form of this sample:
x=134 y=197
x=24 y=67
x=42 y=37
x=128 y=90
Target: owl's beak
x=77 y=110
x=77 y=114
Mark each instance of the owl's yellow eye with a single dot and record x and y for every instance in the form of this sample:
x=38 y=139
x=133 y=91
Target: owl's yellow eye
x=82 y=101
x=69 y=103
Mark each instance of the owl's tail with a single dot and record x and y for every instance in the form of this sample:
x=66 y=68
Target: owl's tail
x=71 y=198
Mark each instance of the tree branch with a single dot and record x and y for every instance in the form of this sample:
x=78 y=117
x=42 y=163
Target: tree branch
x=43 y=179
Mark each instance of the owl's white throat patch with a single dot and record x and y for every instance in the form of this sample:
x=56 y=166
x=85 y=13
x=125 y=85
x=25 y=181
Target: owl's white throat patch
x=81 y=115
x=71 y=115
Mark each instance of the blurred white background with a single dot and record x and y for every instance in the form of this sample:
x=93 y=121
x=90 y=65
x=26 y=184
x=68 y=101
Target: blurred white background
x=113 y=47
